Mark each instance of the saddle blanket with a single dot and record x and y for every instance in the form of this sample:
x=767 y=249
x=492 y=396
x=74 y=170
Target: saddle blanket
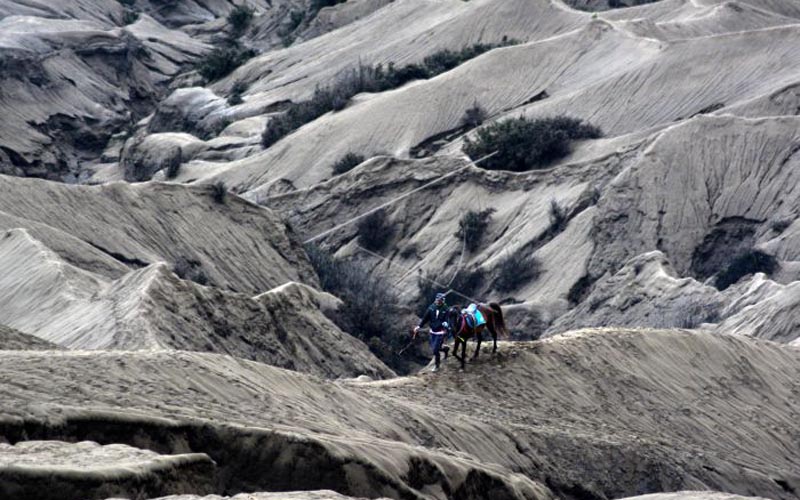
x=473 y=316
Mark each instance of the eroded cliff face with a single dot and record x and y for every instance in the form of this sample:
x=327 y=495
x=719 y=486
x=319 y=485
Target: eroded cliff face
x=162 y=327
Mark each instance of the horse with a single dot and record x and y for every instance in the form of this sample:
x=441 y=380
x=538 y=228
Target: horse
x=462 y=331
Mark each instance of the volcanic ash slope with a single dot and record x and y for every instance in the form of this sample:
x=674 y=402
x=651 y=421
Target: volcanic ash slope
x=613 y=412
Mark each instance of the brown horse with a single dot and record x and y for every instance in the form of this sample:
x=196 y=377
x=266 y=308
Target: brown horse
x=462 y=331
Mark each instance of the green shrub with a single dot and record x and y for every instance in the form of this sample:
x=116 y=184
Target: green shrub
x=375 y=230
x=347 y=163
x=317 y=5
x=558 y=217
x=524 y=144
x=781 y=225
x=221 y=62
x=237 y=90
x=426 y=291
x=754 y=261
x=129 y=17
x=516 y=270
x=474 y=116
x=472 y=227
x=219 y=192
x=174 y=163
x=239 y=19
x=369 y=310
x=468 y=282
x=364 y=78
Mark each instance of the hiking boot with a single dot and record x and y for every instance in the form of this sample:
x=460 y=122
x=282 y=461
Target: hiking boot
x=435 y=369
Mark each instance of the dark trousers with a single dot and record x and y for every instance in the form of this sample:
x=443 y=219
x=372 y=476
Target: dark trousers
x=436 y=342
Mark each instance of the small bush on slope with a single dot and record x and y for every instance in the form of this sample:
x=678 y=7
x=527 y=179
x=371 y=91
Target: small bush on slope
x=472 y=226
x=516 y=270
x=375 y=230
x=347 y=163
x=219 y=191
x=754 y=261
x=369 y=312
x=524 y=144
x=474 y=116
x=239 y=19
x=317 y=5
x=221 y=61
x=237 y=90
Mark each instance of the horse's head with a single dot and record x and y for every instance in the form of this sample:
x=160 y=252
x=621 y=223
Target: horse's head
x=452 y=316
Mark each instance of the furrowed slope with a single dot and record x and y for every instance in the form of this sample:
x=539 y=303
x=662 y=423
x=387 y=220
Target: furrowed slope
x=70 y=85
x=684 y=191
x=587 y=74
x=151 y=309
x=239 y=246
x=615 y=411
x=14 y=340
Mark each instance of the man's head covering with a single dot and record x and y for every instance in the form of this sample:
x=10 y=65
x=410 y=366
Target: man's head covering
x=439 y=296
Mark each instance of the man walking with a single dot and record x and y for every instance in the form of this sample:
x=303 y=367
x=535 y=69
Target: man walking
x=435 y=316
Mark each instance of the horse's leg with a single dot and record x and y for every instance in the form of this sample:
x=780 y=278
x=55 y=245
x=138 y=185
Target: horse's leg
x=479 y=339
x=463 y=353
x=493 y=330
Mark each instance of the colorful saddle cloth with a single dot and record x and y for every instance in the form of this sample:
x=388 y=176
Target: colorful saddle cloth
x=473 y=316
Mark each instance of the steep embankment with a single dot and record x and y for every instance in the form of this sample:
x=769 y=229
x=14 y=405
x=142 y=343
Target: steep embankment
x=608 y=413
x=151 y=308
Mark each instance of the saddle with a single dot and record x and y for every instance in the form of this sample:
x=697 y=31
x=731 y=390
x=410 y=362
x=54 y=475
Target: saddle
x=473 y=316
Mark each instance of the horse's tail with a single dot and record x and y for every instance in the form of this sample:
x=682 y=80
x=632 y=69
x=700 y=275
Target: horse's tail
x=499 y=322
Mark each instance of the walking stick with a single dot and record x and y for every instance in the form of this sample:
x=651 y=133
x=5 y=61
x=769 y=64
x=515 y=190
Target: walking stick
x=410 y=343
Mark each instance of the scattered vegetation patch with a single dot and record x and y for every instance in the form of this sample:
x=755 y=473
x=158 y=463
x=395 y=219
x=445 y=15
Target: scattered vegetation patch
x=472 y=227
x=237 y=90
x=600 y=5
x=190 y=269
x=366 y=78
x=239 y=19
x=369 y=311
x=375 y=230
x=580 y=290
x=129 y=17
x=524 y=144
x=317 y=5
x=558 y=217
x=781 y=225
x=617 y=4
x=754 y=261
x=474 y=116
x=468 y=282
x=219 y=192
x=174 y=163
x=221 y=61
x=516 y=270
x=689 y=314
x=347 y=163
x=426 y=291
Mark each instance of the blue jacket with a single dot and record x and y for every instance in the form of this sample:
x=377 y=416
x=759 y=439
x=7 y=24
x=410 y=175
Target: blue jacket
x=435 y=316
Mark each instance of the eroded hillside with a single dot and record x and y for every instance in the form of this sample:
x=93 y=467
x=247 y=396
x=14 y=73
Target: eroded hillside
x=219 y=220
